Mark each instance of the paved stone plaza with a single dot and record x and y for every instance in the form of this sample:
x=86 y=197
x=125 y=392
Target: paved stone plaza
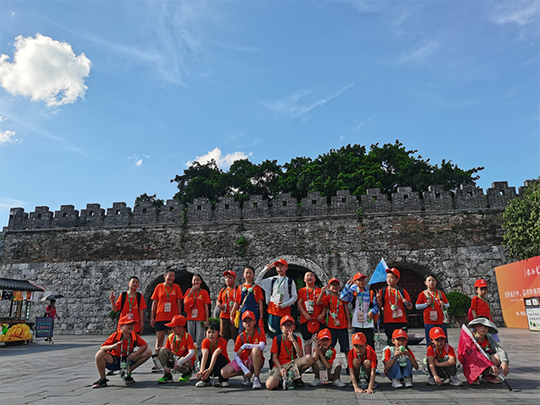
x=62 y=373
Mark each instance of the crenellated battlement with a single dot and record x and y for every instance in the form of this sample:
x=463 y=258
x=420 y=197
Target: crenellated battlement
x=436 y=199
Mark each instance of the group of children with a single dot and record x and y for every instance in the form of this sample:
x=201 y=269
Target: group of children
x=198 y=345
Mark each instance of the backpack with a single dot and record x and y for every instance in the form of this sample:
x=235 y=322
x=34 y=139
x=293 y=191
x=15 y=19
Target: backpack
x=294 y=308
x=123 y=297
x=279 y=339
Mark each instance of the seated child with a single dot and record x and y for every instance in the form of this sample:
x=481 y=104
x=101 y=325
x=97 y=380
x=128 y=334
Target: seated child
x=362 y=361
x=496 y=353
x=441 y=359
x=117 y=352
x=249 y=357
x=286 y=355
x=326 y=367
x=179 y=351
x=399 y=360
x=214 y=357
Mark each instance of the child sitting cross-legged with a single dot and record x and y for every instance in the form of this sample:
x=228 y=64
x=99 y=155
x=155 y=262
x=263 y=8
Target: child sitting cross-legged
x=178 y=353
x=287 y=356
x=362 y=361
x=249 y=347
x=441 y=359
x=326 y=367
x=399 y=360
x=214 y=357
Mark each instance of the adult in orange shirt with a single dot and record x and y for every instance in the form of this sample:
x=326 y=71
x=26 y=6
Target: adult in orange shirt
x=214 y=357
x=197 y=307
x=249 y=297
x=225 y=302
x=280 y=294
x=362 y=356
x=130 y=303
x=339 y=319
x=166 y=303
x=312 y=315
x=393 y=300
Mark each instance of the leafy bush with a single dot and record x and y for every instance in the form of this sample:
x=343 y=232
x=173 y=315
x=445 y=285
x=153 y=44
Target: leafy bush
x=459 y=303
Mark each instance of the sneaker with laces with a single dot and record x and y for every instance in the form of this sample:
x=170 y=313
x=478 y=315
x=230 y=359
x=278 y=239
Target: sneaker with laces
x=167 y=378
x=408 y=382
x=184 y=377
x=455 y=382
x=396 y=383
x=256 y=383
x=225 y=384
x=315 y=382
x=246 y=382
x=129 y=380
x=338 y=383
x=203 y=384
x=431 y=381
x=101 y=383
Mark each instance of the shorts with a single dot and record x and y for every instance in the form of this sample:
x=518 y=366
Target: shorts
x=335 y=364
x=227 y=329
x=116 y=365
x=160 y=326
x=307 y=336
x=275 y=372
x=341 y=335
x=248 y=363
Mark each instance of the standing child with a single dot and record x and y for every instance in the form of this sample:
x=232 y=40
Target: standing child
x=479 y=305
x=441 y=359
x=434 y=304
x=197 y=307
x=393 y=300
x=249 y=358
x=399 y=360
x=130 y=303
x=338 y=320
x=178 y=353
x=249 y=297
x=362 y=361
x=225 y=302
x=214 y=357
x=312 y=315
x=326 y=367
x=286 y=356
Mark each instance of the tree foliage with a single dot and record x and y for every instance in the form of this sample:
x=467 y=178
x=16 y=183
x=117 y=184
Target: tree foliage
x=522 y=223
x=350 y=168
x=157 y=202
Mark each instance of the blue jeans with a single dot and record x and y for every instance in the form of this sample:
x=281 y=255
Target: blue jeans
x=396 y=371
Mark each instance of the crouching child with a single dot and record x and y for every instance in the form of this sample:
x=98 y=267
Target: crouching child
x=286 y=356
x=362 y=361
x=178 y=353
x=399 y=360
x=326 y=367
x=214 y=357
x=249 y=347
x=117 y=353
x=441 y=358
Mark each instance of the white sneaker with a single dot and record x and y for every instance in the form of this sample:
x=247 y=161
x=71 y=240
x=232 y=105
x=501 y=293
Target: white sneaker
x=454 y=382
x=309 y=370
x=408 y=382
x=225 y=384
x=338 y=383
x=396 y=383
x=431 y=381
x=256 y=383
x=202 y=384
x=315 y=382
x=246 y=382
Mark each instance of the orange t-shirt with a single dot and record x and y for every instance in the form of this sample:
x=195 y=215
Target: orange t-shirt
x=369 y=355
x=309 y=294
x=221 y=344
x=391 y=297
x=127 y=346
x=166 y=295
x=287 y=349
x=388 y=354
x=447 y=350
x=227 y=297
x=254 y=339
x=481 y=307
x=195 y=304
x=335 y=306
x=181 y=346
x=437 y=305
x=131 y=307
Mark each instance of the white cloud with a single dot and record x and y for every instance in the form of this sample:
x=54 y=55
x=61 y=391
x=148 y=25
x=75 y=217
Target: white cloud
x=138 y=162
x=45 y=70
x=418 y=54
x=8 y=137
x=520 y=13
x=291 y=106
x=7 y=203
x=222 y=161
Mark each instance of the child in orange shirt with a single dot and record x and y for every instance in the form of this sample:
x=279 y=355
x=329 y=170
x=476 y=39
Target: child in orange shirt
x=197 y=307
x=130 y=303
x=441 y=359
x=399 y=360
x=434 y=304
x=214 y=357
x=312 y=315
x=225 y=302
x=362 y=361
x=479 y=305
x=249 y=297
x=338 y=320
x=326 y=367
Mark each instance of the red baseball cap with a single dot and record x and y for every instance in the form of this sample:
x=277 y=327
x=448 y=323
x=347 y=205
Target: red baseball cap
x=232 y=273
x=358 y=276
x=394 y=271
x=178 y=320
x=126 y=320
x=399 y=333
x=248 y=314
x=359 y=339
x=480 y=283
x=286 y=318
x=313 y=326
x=436 y=333
x=334 y=280
x=281 y=261
x=325 y=334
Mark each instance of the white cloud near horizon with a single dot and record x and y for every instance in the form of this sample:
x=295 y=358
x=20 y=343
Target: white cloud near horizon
x=292 y=107
x=7 y=203
x=223 y=161
x=45 y=70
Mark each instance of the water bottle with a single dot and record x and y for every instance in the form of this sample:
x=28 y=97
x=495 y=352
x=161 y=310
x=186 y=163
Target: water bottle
x=362 y=373
x=402 y=359
x=123 y=369
x=425 y=366
x=290 y=382
x=329 y=354
x=377 y=343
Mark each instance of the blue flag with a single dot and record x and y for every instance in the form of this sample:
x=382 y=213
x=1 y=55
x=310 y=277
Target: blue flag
x=379 y=275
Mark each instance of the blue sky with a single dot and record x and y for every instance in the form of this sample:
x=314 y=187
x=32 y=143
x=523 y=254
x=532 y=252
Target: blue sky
x=101 y=101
